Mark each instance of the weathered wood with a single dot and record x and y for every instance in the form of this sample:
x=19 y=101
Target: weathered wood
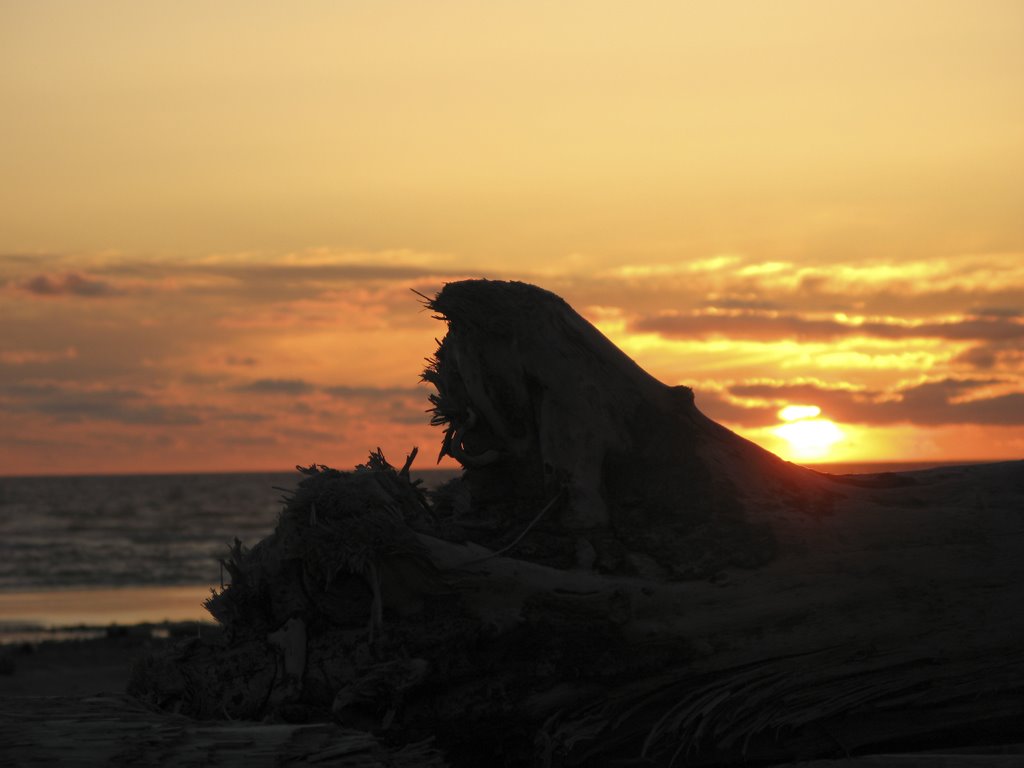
x=116 y=730
x=109 y=730
x=617 y=580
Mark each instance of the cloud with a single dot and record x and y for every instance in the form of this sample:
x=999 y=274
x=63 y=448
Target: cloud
x=374 y=393
x=946 y=286
x=68 y=284
x=67 y=404
x=234 y=335
x=1004 y=356
x=277 y=387
x=36 y=356
x=997 y=312
x=241 y=416
x=297 y=275
x=769 y=326
x=240 y=360
x=250 y=441
x=32 y=259
x=932 y=403
x=938 y=402
x=983 y=357
x=1003 y=410
x=325 y=273
x=740 y=302
x=398 y=405
x=722 y=409
x=263 y=289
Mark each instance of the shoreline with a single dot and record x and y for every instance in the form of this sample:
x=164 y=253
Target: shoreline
x=83 y=662
x=33 y=615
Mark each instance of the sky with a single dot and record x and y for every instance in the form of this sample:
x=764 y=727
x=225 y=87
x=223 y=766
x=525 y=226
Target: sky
x=211 y=217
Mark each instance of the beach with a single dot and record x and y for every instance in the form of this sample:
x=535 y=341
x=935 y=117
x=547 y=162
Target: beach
x=62 y=702
x=95 y=662
x=67 y=654
x=80 y=642
x=68 y=659
x=99 y=571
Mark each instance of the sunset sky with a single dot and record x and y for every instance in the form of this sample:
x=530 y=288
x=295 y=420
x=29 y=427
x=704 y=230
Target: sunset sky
x=211 y=215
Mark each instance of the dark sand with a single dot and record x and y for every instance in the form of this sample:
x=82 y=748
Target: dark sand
x=81 y=667
x=80 y=642
x=62 y=702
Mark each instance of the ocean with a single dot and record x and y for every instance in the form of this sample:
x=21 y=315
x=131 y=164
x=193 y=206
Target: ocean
x=66 y=542
x=135 y=530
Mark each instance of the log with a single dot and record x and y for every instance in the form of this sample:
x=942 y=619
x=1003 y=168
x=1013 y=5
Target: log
x=616 y=580
x=116 y=730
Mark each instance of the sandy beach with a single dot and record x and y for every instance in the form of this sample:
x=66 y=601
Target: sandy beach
x=77 y=642
x=62 y=702
x=85 y=666
x=68 y=657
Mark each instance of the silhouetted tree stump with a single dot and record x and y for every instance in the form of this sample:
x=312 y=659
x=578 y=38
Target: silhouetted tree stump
x=616 y=580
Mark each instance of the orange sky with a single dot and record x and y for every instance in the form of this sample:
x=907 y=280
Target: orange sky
x=211 y=216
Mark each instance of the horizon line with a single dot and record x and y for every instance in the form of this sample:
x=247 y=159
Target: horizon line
x=920 y=463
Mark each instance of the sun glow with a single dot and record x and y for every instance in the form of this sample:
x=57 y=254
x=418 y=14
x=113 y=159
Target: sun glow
x=796 y=412
x=808 y=436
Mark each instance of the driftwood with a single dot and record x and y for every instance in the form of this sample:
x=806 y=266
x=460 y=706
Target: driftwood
x=117 y=730
x=616 y=580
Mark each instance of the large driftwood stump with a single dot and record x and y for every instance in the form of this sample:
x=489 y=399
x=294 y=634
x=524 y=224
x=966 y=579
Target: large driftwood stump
x=616 y=580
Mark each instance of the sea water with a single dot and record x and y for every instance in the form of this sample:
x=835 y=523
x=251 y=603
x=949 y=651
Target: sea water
x=74 y=539
x=127 y=548
x=136 y=530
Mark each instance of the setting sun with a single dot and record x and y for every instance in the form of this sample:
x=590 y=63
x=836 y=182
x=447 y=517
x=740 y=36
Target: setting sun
x=212 y=261
x=796 y=412
x=386 y=350
x=807 y=436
